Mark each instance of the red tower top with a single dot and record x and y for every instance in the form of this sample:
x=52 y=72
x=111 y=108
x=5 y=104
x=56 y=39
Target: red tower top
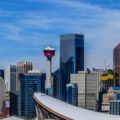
x=49 y=52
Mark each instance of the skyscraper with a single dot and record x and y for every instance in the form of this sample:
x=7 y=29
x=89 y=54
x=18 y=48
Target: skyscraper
x=87 y=89
x=22 y=67
x=71 y=57
x=59 y=85
x=10 y=80
x=33 y=81
x=56 y=77
x=116 y=62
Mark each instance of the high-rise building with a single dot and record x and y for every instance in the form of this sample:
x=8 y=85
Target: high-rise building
x=116 y=62
x=56 y=77
x=59 y=85
x=10 y=79
x=72 y=94
x=33 y=81
x=71 y=58
x=2 y=92
x=71 y=54
x=87 y=89
x=22 y=67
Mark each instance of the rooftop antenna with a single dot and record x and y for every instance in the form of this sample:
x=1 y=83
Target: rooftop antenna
x=105 y=64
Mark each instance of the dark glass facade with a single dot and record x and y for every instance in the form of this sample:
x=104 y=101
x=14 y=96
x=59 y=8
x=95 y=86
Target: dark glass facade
x=13 y=94
x=106 y=85
x=71 y=58
x=2 y=74
x=13 y=104
x=56 y=77
x=13 y=79
x=72 y=94
x=59 y=84
x=30 y=83
x=114 y=107
x=118 y=96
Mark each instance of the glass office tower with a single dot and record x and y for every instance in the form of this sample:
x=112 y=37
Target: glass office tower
x=72 y=94
x=30 y=83
x=58 y=85
x=56 y=77
x=71 y=58
x=10 y=85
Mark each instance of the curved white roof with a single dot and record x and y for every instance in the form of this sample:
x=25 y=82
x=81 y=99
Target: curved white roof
x=71 y=111
x=49 y=48
x=12 y=118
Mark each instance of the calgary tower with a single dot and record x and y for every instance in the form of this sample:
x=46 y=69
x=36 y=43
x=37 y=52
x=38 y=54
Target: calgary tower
x=49 y=52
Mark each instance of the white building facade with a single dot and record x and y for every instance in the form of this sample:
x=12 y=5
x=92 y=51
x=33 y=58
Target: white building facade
x=88 y=88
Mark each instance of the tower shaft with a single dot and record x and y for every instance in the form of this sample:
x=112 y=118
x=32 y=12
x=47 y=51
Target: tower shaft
x=49 y=77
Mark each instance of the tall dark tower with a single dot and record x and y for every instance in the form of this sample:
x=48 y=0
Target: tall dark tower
x=116 y=63
x=71 y=58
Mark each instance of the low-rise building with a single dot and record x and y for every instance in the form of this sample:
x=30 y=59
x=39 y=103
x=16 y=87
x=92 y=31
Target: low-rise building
x=110 y=99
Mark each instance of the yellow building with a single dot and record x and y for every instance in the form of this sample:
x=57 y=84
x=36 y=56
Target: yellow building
x=106 y=77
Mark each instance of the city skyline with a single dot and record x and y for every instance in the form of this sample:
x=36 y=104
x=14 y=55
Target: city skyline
x=27 y=27
x=58 y=56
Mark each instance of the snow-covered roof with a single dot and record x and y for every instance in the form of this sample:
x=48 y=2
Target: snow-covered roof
x=35 y=71
x=70 y=111
x=49 y=48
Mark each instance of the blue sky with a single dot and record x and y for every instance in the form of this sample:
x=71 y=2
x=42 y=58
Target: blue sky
x=27 y=26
